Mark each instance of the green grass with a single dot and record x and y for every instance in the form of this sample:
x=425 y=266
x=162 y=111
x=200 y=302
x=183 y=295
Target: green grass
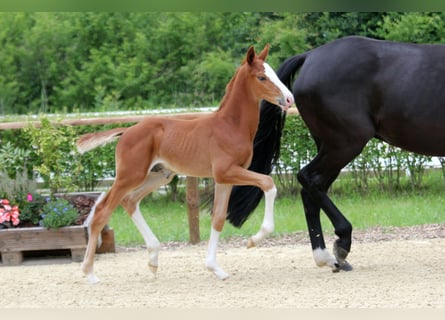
x=168 y=220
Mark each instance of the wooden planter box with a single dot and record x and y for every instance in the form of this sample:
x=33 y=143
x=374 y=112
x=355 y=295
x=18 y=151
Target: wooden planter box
x=14 y=242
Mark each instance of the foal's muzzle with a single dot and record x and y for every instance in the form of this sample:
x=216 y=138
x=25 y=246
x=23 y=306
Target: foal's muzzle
x=286 y=102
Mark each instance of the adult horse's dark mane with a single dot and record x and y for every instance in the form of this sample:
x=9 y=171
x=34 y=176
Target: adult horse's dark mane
x=347 y=92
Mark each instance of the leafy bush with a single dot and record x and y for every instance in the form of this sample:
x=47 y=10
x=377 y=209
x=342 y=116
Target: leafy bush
x=12 y=159
x=16 y=189
x=58 y=213
x=55 y=147
x=297 y=149
x=32 y=210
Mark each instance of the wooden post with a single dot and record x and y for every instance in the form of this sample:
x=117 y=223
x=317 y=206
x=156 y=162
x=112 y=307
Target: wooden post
x=193 y=208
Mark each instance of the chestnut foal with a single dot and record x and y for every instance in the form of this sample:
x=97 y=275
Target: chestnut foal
x=219 y=145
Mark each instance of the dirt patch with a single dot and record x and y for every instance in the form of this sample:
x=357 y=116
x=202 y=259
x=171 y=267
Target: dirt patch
x=396 y=267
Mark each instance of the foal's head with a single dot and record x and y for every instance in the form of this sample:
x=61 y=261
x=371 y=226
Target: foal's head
x=264 y=82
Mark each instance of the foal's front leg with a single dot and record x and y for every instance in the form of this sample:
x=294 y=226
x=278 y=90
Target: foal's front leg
x=240 y=176
x=268 y=224
x=222 y=194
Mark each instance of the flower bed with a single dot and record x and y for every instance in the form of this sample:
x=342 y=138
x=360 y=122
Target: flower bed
x=21 y=237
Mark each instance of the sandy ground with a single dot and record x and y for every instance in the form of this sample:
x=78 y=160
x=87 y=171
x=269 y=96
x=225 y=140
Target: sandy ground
x=389 y=271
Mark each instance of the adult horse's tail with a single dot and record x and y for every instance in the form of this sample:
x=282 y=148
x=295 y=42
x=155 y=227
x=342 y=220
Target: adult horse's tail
x=266 y=148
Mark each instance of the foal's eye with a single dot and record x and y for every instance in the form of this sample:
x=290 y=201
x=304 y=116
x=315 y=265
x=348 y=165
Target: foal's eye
x=262 y=78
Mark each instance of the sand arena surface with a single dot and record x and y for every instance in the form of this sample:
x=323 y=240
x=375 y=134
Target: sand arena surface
x=398 y=268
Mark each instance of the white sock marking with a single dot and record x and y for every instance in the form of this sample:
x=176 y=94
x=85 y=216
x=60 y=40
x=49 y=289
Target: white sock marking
x=268 y=224
x=322 y=257
x=211 y=263
x=150 y=239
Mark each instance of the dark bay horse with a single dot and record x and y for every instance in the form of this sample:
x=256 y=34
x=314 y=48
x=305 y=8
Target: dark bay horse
x=347 y=92
x=219 y=145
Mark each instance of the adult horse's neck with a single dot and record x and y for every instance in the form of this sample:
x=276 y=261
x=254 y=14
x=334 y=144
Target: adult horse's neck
x=239 y=105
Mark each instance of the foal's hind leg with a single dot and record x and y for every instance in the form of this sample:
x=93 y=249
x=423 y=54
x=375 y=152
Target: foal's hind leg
x=101 y=215
x=131 y=205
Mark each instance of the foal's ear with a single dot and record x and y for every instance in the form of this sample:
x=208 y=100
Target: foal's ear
x=250 y=55
x=264 y=53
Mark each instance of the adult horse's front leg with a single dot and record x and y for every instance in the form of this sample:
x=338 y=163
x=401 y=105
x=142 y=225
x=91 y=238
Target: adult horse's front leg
x=221 y=199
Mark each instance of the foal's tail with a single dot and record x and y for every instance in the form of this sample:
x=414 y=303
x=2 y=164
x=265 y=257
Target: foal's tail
x=266 y=149
x=93 y=140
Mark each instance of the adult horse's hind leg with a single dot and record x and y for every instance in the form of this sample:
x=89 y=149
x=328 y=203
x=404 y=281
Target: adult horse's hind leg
x=316 y=178
x=157 y=177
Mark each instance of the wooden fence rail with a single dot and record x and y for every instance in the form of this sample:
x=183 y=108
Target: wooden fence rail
x=96 y=121
x=192 y=192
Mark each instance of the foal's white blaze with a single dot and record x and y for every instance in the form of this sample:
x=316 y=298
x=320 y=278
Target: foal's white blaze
x=270 y=73
x=150 y=239
x=322 y=257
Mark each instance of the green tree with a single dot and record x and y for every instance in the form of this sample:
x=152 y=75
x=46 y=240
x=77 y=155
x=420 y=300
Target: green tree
x=415 y=27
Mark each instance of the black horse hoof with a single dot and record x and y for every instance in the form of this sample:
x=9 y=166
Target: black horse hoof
x=341 y=254
x=344 y=266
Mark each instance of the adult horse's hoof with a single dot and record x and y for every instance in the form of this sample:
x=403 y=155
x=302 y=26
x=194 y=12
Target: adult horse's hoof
x=341 y=254
x=344 y=266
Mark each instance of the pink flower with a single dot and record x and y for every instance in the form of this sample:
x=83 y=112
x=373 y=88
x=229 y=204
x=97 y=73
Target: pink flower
x=29 y=197
x=9 y=213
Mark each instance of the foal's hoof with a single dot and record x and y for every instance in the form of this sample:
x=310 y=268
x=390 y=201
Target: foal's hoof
x=92 y=279
x=218 y=272
x=221 y=275
x=344 y=266
x=153 y=268
x=250 y=243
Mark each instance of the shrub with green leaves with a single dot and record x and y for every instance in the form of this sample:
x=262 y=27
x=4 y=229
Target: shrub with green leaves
x=58 y=213
x=12 y=159
x=32 y=209
x=54 y=145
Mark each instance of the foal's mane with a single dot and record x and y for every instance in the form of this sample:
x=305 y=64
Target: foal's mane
x=249 y=59
x=229 y=87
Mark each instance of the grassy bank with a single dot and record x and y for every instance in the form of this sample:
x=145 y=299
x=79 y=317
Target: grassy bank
x=363 y=208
